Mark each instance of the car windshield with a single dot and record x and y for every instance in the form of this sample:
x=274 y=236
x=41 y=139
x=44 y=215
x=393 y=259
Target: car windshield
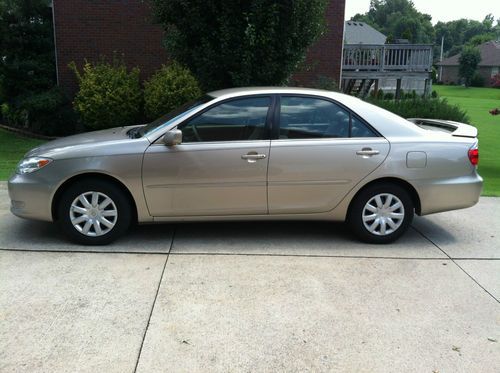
x=175 y=114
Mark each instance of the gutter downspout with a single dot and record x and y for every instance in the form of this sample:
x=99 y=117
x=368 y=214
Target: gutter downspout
x=55 y=44
x=342 y=52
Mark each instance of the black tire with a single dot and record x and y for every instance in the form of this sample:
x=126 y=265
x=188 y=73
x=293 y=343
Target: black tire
x=121 y=205
x=384 y=191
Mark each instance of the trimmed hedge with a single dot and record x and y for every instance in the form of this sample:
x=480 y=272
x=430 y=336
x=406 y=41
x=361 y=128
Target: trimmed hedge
x=109 y=95
x=430 y=108
x=167 y=89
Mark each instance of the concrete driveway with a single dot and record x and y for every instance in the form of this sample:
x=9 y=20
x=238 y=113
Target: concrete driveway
x=266 y=297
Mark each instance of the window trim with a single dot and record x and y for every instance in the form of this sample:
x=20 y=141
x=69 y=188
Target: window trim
x=268 y=125
x=276 y=129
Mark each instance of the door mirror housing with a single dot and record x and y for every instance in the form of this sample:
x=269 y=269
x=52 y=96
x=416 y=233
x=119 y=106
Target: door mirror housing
x=172 y=137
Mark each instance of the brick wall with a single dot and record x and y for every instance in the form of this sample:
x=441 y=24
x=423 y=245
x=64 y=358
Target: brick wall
x=450 y=74
x=88 y=29
x=325 y=56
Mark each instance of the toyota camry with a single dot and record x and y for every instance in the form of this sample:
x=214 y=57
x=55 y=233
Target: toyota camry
x=253 y=154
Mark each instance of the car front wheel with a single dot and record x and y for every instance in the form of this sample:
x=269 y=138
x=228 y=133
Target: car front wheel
x=94 y=212
x=381 y=213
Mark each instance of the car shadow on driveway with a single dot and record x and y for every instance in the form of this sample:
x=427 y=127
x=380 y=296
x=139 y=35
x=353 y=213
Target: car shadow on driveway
x=20 y=234
x=427 y=227
x=306 y=238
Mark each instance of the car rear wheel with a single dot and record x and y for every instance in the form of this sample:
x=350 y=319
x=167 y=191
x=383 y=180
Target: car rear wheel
x=381 y=213
x=94 y=212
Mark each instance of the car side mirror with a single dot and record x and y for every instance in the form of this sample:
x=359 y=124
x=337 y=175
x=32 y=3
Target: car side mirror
x=172 y=137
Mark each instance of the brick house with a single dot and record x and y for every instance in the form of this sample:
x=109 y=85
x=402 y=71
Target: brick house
x=487 y=68
x=88 y=29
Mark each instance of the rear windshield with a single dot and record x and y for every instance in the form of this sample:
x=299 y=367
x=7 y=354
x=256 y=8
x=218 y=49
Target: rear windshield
x=433 y=125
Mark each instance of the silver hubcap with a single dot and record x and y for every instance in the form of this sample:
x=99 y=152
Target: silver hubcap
x=383 y=214
x=93 y=214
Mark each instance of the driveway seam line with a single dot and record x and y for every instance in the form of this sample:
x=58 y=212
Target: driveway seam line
x=458 y=265
x=154 y=302
x=236 y=254
x=310 y=256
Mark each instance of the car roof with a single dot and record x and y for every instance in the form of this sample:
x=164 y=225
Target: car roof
x=266 y=90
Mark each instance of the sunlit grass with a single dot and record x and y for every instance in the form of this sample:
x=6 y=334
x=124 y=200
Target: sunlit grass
x=478 y=102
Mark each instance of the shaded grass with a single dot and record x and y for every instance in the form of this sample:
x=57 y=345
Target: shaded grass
x=478 y=102
x=12 y=149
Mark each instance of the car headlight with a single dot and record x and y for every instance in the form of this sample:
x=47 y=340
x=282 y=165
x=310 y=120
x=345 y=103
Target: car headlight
x=31 y=164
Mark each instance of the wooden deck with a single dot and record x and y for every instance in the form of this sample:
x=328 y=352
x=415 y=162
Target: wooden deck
x=364 y=65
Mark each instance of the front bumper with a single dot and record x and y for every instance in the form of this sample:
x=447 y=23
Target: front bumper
x=31 y=197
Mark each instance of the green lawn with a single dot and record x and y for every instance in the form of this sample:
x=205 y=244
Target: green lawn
x=12 y=149
x=478 y=102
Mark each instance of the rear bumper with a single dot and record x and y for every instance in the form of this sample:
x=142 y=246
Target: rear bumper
x=438 y=195
x=30 y=198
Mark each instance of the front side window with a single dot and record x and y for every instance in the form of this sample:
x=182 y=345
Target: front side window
x=312 y=118
x=235 y=120
x=177 y=113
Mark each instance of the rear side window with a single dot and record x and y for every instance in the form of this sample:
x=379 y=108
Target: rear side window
x=360 y=129
x=310 y=118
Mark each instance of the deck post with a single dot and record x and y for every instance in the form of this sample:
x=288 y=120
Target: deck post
x=427 y=88
x=382 y=59
x=398 y=89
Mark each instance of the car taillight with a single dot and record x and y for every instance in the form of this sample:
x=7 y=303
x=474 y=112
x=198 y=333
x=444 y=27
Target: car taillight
x=474 y=156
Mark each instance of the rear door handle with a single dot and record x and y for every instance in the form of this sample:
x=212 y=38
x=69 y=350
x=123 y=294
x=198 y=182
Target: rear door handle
x=367 y=152
x=253 y=157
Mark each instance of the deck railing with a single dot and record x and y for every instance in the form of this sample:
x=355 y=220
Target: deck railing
x=388 y=57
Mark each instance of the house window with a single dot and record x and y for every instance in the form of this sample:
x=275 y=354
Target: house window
x=494 y=71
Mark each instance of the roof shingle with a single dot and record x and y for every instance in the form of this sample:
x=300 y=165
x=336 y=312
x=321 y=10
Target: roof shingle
x=362 y=33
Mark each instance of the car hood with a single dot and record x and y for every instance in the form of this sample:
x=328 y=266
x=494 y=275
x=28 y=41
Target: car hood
x=88 y=140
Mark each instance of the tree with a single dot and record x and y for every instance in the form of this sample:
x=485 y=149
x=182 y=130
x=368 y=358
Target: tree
x=229 y=43
x=468 y=61
x=463 y=31
x=399 y=18
x=27 y=62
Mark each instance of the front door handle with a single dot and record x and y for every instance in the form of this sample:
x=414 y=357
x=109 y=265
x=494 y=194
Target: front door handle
x=367 y=152
x=253 y=157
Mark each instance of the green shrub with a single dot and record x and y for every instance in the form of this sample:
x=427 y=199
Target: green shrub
x=168 y=88
x=435 y=108
x=409 y=95
x=326 y=83
x=434 y=94
x=47 y=113
x=11 y=116
x=4 y=110
x=108 y=95
x=389 y=96
x=477 y=80
x=495 y=81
